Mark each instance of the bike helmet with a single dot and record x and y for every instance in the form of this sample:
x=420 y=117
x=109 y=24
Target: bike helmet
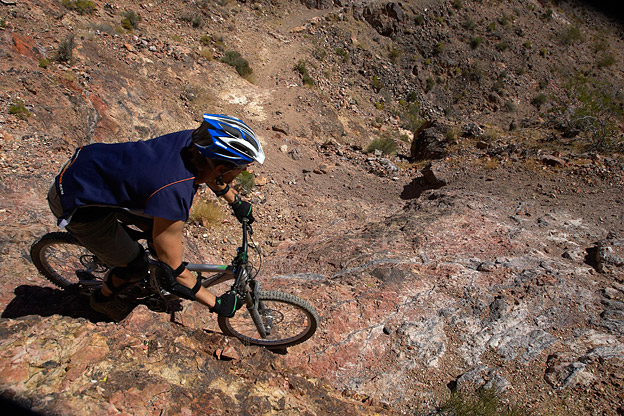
x=227 y=138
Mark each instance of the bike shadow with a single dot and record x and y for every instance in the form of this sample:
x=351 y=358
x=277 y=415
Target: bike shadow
x=46 y=301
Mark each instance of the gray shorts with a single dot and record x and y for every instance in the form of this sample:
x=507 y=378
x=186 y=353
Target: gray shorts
x=99 y=231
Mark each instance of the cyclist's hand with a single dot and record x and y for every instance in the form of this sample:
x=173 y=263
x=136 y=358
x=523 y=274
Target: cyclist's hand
x=242 y=209
x=227 y=304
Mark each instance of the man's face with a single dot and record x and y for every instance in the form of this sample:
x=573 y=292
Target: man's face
x=228 y=174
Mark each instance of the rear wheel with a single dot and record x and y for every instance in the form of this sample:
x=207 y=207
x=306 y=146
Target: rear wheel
x=289 y=321
x=62 y=260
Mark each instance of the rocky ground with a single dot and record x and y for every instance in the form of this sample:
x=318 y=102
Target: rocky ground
x=487 y=251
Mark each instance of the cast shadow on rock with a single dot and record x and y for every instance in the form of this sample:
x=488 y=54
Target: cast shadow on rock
x=46 y=301
x=416 y=187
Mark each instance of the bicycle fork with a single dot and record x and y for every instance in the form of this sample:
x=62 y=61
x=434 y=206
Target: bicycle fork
x=258 y=311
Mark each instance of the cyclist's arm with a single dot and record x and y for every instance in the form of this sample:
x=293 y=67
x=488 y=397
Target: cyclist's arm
x=167 y=239
x=229 y=196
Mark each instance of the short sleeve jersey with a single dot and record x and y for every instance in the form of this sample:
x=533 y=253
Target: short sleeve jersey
x=147 y=177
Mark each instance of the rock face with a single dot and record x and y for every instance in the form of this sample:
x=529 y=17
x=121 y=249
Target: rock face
x=450 y=293
x=148 y=366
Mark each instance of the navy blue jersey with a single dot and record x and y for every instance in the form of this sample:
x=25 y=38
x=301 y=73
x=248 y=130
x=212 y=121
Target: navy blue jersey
x=146 y=177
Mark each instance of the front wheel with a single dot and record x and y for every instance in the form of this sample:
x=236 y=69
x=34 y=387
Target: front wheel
x=62 y=260
x=289 y=321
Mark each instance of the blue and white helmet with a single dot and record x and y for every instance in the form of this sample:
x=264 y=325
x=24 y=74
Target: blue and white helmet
x=227 y=138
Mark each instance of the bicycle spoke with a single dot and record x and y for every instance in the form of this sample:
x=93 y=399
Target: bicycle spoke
x=72 y=263
x=288 y=320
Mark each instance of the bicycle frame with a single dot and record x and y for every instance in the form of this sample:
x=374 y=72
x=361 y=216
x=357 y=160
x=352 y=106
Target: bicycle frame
x=244 y=284
x=279 y=319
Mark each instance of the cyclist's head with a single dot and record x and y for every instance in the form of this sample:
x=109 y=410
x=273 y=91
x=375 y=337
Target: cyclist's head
x=228 y=139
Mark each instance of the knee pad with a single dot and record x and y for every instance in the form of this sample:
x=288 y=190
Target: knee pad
x=135 y=270
x=166 y=276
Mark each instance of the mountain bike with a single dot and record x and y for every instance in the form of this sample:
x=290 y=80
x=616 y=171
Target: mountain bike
x=272 y=319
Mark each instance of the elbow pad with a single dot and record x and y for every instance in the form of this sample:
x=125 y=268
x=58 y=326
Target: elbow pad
x=166 y=276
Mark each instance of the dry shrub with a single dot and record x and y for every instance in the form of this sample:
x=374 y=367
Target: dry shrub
x=206 y=213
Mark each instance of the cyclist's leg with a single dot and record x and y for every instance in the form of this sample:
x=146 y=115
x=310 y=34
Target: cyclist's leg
x=98 y=229
x=105 y=237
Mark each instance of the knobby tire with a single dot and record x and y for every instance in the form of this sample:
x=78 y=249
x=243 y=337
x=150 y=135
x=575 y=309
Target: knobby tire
x=295 y=321
x=59 y=256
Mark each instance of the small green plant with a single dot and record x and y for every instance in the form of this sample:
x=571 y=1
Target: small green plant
x=3 y=23
x=205 y=40
x=234 y=59
x=437 y=50
x=80 y=6
x=376 y=83
x=419 y=20
x=319 y=52
x=504 y=20
x=539 y=100
x=44 y=63
x=206 y=54
x=65 y=51
x=379 y=105
x=502 y=46
x=570 y=35
x=527 y=44
x=472 y=73
x=301 y=68
x=343 y=53
x=510 y=106
x=206 y=213
x=307 y=80
x=411 y=117
x=386 y=145
x=176 y=38
x=193 y=19
x=130 y=20
x=458 y=4
x=394 y=54
x=219 y=43
x=483 y=402
x=491 y=27
x=18 y=108
x=469 y=24
x=605 y=60
x=543 y=52
x=595 y=110
x=246 y=181
x=453 y=133
x=601 y=45
x=499 y=86
x=475 y=42
x=429 y=84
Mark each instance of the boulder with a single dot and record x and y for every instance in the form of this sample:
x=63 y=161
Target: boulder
x=430 y=142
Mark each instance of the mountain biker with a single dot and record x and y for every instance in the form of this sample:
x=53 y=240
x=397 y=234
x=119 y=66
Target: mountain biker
x=155 y=179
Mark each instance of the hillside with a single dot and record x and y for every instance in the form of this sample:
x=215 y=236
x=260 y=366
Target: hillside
x=486 y=250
